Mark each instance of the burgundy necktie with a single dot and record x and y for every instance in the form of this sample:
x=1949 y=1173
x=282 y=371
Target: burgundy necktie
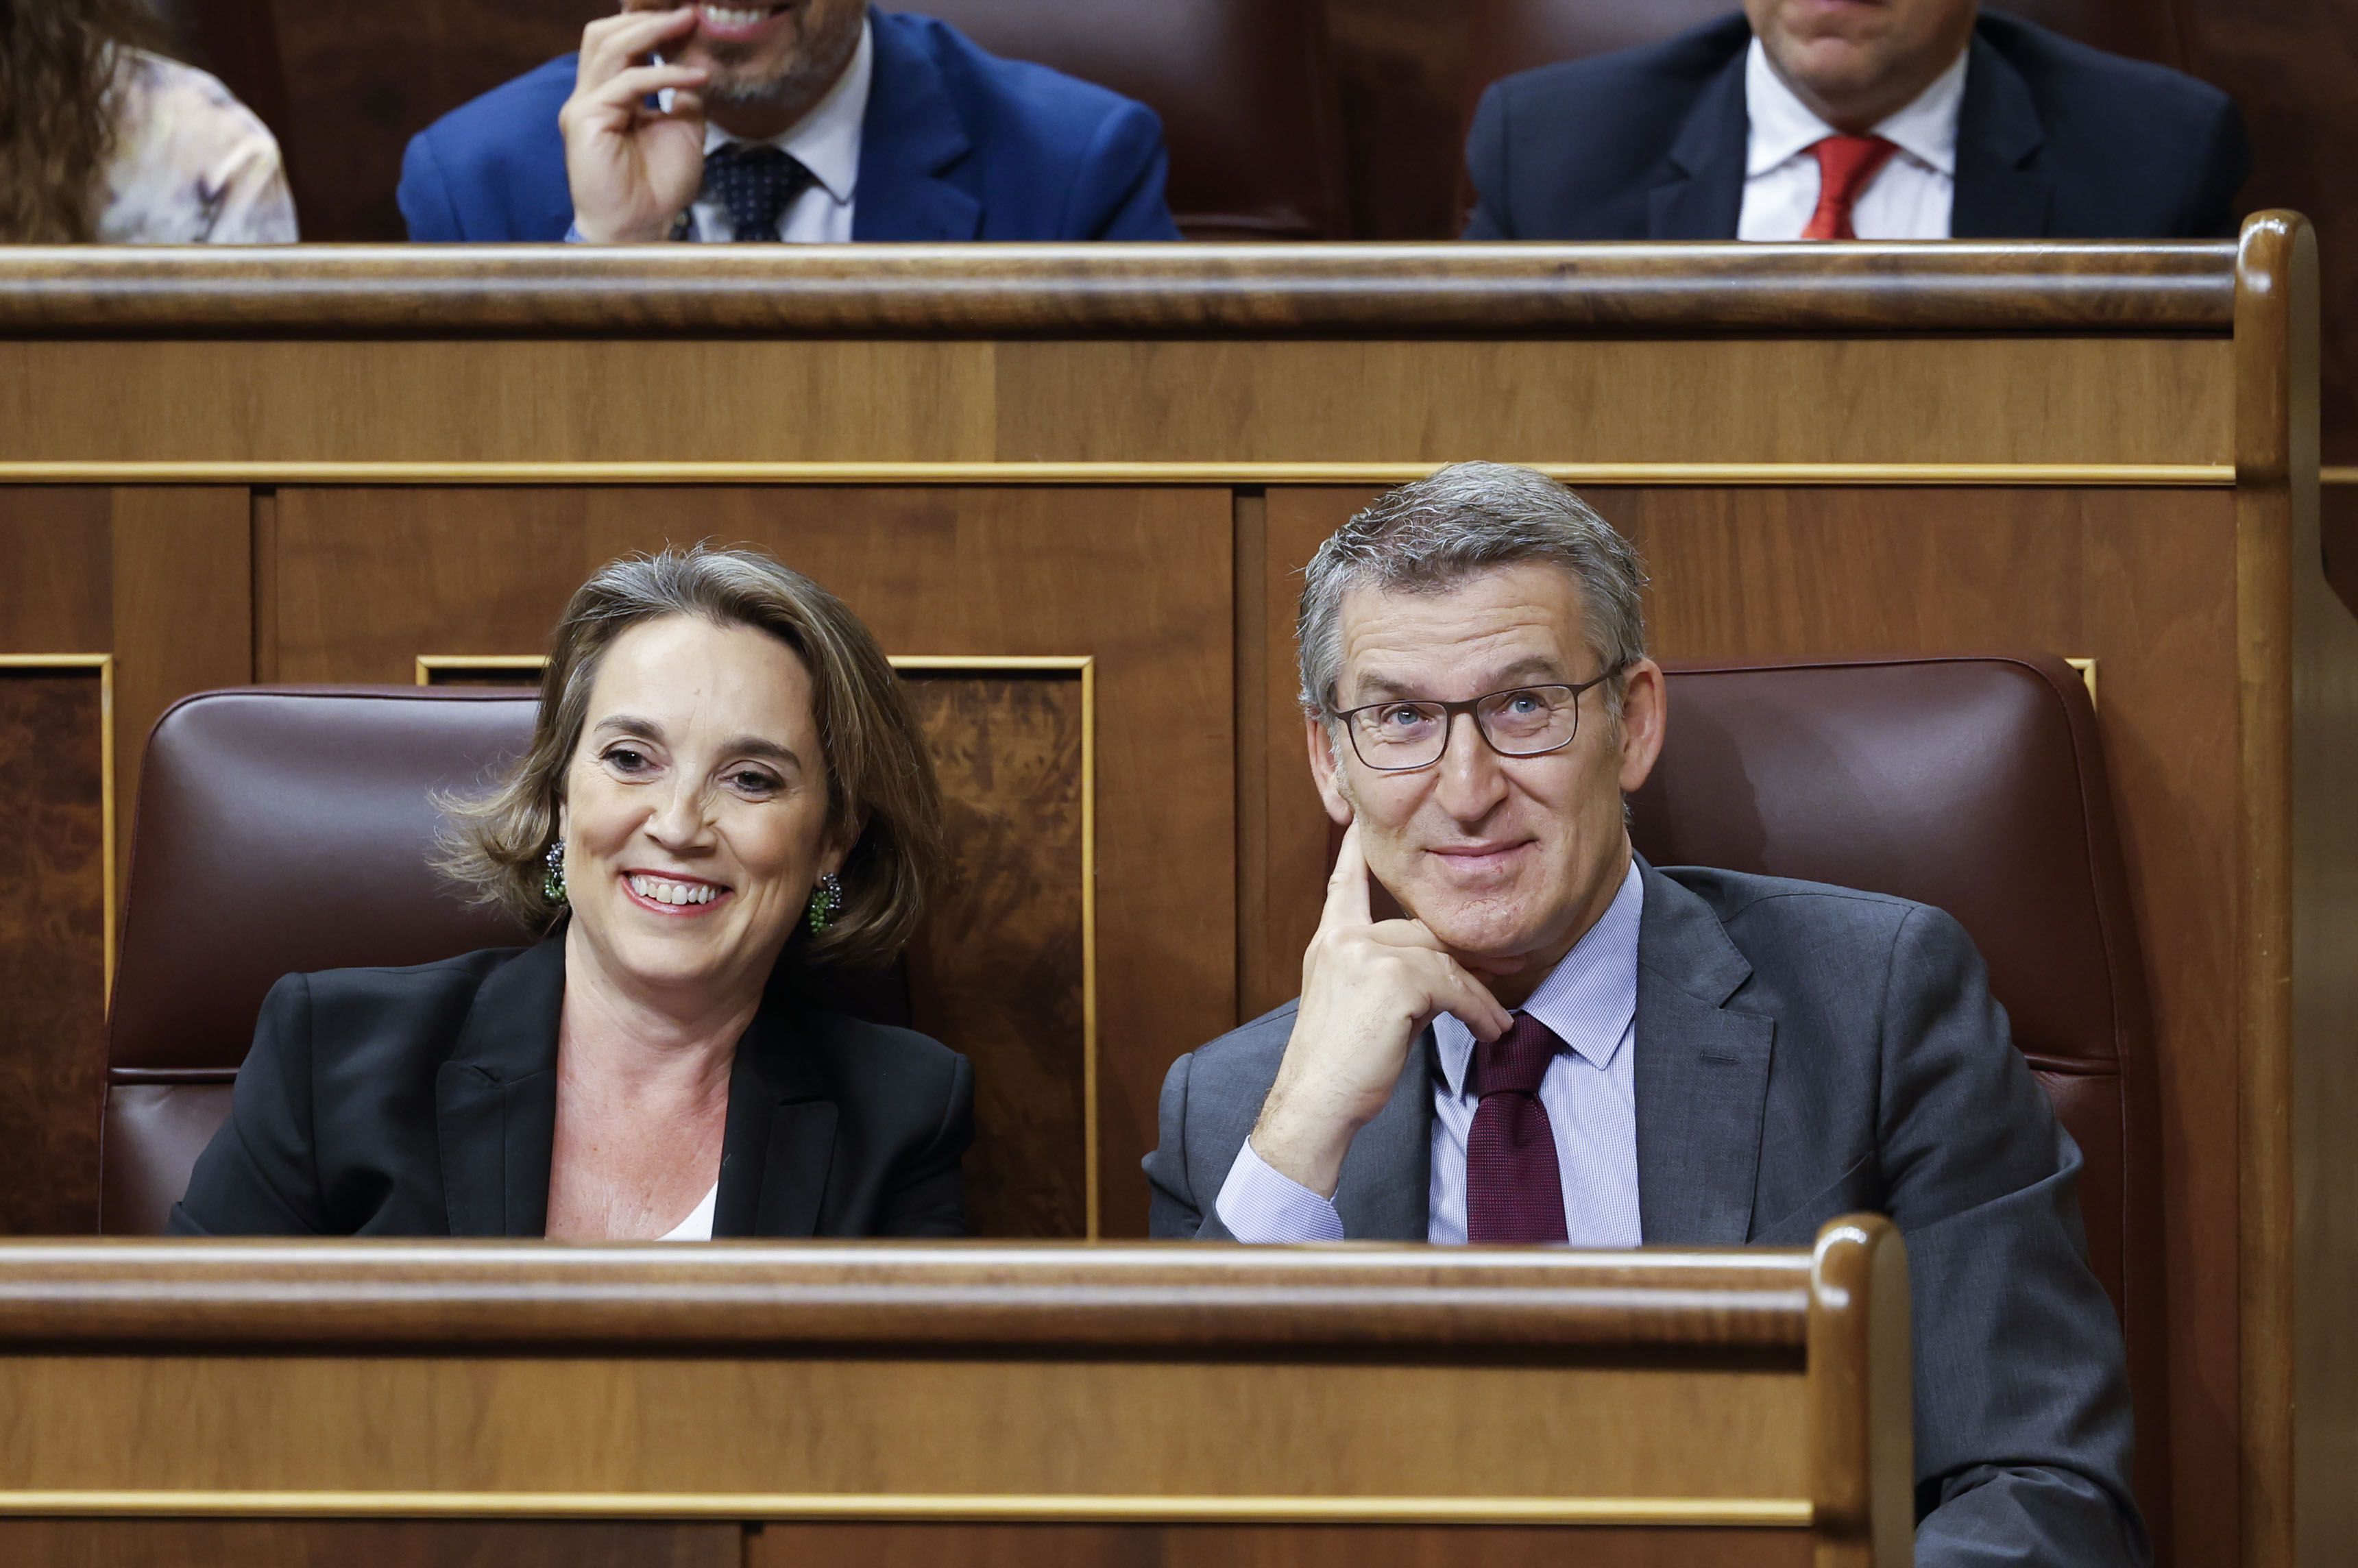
x=1844 y=165
x=1514 y=1190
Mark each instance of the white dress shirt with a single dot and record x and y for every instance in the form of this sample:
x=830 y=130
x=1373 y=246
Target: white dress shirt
x=826 y=141
x=1909 y=199
x=1590 y=1001
x=697 y=1226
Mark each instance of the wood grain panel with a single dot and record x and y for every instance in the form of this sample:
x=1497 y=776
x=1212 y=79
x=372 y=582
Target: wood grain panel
x=182 y=612
x=2128 y=577
x=52 y=946
x=1762 y=400
x=379 y=1543
x=1297 y=1546
x=55 y=592
x=1887 y=399
x=1065 y=292
x=489 y=400
x=997 y=971
x=366 y=580
x=898 y=1427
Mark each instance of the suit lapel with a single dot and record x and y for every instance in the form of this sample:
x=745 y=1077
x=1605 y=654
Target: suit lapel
x=910 y=136
x=779 y=1138
x=2002 y=193
x=1702 y=1076
x=495 y=1099
x=1704 y=196
x=1386 y=1190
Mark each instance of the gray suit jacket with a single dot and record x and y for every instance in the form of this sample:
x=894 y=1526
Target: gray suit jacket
x=1804 y=1052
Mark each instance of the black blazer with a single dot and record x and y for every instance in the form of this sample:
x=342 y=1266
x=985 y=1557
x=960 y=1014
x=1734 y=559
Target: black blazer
x=2054 y=140
x=423 y=1102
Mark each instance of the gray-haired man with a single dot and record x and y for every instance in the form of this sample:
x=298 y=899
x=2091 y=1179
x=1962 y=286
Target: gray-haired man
x=1561 y=1042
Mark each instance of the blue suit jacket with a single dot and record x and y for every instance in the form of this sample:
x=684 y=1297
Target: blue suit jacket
x=958 y=144
x=2054 y=139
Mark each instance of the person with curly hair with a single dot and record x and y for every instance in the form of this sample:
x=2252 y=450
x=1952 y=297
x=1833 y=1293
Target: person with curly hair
x=104 y=139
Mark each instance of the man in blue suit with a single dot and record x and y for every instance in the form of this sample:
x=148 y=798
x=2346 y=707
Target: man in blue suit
x=1878 y=120
x=796 y=120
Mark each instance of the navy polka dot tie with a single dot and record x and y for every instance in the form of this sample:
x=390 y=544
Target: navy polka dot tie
x=1514 y=1188
x=757 y=184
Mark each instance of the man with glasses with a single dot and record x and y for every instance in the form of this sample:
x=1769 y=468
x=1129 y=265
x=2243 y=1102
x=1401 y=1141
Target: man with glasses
x=1559 y=1043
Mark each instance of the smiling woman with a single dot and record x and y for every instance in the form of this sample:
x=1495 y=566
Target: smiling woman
x=726 y=785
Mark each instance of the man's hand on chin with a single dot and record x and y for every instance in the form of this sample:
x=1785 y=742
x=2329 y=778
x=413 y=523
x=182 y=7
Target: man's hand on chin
x=1369 y=988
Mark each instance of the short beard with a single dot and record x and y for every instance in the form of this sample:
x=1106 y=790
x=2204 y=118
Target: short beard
x=801 y=81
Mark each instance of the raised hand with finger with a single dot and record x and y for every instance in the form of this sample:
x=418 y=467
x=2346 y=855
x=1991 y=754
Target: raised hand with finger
x=633 y=168
x=1369 y=988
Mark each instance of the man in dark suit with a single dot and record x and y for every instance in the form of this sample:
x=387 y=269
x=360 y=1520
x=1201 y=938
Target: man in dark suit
x=1561 y=1042
x=1880 y=120
x=796 y=120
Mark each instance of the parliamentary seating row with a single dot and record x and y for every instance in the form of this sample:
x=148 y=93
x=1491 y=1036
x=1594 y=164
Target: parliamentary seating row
x=1070 y=490
x=1247 y=88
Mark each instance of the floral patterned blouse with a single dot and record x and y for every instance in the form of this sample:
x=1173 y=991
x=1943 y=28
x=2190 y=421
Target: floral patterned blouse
x=192 y=165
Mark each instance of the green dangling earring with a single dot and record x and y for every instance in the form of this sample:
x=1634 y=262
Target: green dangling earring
x=826 y=899
x=552 y=885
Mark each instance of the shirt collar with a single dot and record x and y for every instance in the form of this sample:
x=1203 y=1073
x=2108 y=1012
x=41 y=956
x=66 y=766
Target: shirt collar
x=1782 y=126
x=1588 y=999
x=826 y=140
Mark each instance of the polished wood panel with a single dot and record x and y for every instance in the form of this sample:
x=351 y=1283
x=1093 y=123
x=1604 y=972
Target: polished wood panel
x=579 y=1429
x=1811 y=400
x=1748 y=1308
x=1078 y=291
x=919 y=1384
x=368 y=579
x=786 y=1545
x=52 y=926
x=997 y=972
x=181 y=609
x=380 y=1543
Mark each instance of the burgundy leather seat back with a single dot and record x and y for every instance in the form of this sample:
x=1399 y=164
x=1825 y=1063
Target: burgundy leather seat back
x=1975 y=785
x=283 y=830
x=1246 y=89
x=279 y=830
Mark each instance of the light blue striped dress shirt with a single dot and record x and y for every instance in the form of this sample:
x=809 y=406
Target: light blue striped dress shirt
x=1590 y=1001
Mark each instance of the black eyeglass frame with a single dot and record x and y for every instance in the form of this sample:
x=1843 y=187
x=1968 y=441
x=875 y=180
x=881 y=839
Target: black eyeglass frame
x=1472 y=705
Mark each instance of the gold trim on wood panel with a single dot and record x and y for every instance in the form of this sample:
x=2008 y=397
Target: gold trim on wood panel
x=2087 y=668
x=1081 y=665
x=2338 y=474
x=104 y=664
x=428 y=664
x=1775 y=1513
x=1220 y=473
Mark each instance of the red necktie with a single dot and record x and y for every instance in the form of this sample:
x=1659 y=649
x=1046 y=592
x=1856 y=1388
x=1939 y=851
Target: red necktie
x=1844 y=165
x=1514 y=1190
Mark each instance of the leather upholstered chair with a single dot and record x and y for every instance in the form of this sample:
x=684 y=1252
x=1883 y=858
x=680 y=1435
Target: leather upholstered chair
x=285 y=829
x=1975 y=785
x=1246 y=89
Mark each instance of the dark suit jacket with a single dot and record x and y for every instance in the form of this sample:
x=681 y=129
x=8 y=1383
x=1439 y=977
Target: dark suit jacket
x=958 y=144
x=2054 y=139
x=423 y=1102
x=1804 y=1052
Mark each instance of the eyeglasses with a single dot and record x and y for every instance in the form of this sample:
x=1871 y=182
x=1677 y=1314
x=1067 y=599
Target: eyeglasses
x=1522 y=722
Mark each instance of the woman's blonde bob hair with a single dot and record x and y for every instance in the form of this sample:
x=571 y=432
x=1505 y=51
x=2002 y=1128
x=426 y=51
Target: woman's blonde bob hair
x=880 y=776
